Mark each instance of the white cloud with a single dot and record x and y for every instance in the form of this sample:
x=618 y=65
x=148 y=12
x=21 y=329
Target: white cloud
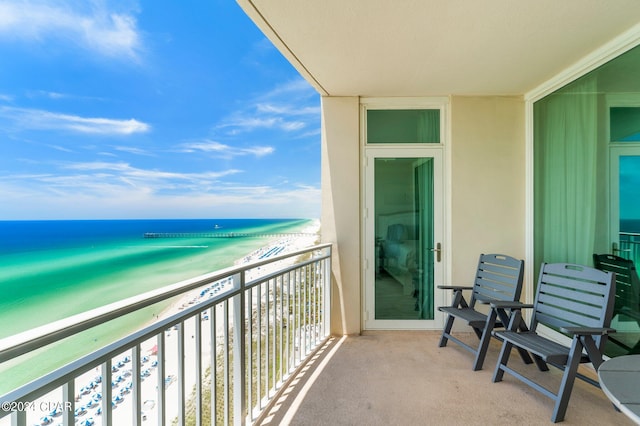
x=45 y=120
x=290 y=107
x=287 y=109
x=126 y=171
x=298 y=86
x=225 y=151
x=118 y=203
x=134 y=150
x=293 y=125
x=57 y=95
x=119 y=190
x=240 y=123
x=87 y=24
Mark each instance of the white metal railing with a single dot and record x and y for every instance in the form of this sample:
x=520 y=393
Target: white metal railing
x=629 y=246
x=218 y=360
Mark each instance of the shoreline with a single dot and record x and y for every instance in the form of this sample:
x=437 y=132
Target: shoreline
x=275 y=246
x=123 y=383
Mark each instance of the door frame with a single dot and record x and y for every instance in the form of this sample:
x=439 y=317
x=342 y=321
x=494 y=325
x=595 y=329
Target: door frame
x=438 y=151
x=617 y=150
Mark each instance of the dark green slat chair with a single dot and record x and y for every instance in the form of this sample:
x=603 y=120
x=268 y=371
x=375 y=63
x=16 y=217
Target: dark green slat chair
x=498 y=278
x=627 y=305
x=576 y=301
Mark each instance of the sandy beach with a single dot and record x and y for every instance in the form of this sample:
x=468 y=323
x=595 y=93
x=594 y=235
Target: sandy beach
x=48 y=409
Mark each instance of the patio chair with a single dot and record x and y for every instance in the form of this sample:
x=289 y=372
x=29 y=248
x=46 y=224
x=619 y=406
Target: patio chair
x=627 y=304
x=576 y=301
x=498 y=278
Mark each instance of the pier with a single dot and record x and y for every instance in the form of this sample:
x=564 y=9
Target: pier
x=224 y=234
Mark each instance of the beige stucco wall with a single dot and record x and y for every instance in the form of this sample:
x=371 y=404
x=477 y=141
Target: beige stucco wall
x=487 y=180
x=340 y=215
x=487 y=191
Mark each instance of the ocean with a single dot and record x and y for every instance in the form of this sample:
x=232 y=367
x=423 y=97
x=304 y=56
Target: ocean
x=630 y=225
x=51 y=270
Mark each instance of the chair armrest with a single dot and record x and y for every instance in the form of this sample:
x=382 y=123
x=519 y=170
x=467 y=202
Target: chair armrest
x=454 y=287
x=499 y=304
x=587 y=331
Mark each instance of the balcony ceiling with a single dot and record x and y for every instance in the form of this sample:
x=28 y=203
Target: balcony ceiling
x=437 y=47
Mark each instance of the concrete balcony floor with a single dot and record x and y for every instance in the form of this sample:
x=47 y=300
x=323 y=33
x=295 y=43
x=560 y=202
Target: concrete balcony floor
x=404 y=378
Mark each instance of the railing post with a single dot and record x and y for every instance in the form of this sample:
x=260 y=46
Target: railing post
x=107 y=394
x=181 y=375
x=198 y=368
x=326 y=308
x=239 y=362
x=136 y=392
x=68 y=395
x=162 y=400
x=19 y=418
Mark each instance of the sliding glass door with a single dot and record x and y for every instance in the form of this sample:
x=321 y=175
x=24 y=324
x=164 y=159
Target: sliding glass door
x=586 y=145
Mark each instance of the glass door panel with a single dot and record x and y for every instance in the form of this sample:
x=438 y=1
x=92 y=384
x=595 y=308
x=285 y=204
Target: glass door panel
x=625 y=242
x=625 y=209
x=405 y=218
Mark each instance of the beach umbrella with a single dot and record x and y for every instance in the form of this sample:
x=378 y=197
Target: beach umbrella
x=55 y=412
x=154 y=350
x=46 y=420
x=97 y=396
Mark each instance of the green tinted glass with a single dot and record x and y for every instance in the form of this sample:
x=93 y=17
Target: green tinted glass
x=624 y=124
x=403 y=126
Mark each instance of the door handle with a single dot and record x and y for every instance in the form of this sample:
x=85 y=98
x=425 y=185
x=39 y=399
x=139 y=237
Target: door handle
x=437 y=251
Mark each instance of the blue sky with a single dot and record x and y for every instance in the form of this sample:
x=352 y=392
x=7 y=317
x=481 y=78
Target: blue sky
x=151 y=109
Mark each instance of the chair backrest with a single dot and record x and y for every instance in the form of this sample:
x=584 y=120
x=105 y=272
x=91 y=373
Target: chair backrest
x=498 y=277
x=574 y=296
x=627 y=281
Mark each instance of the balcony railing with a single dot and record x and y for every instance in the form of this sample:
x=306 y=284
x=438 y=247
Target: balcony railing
x=629 y=247
x=219 y=360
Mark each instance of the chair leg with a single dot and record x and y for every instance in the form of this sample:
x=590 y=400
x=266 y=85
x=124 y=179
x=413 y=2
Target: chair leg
x=568 y=379
x=503 y=358
x=484 y=341
x=446 y=331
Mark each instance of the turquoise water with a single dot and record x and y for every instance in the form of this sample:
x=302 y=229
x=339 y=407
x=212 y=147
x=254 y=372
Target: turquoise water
x=51 y=270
